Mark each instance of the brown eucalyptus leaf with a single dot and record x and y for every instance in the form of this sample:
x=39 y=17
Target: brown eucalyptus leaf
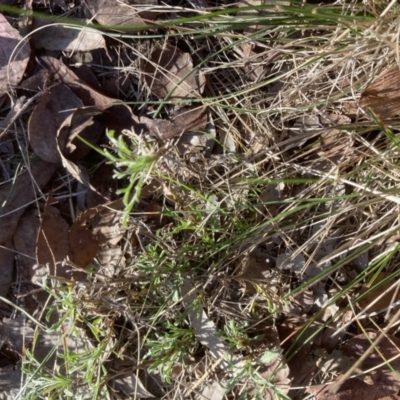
x=58 y=37
x=121 y=13
x=382 y=96
x=52 y=246
x=13 y=59
x=169 y=72
x=16 y=196
x=54 y=108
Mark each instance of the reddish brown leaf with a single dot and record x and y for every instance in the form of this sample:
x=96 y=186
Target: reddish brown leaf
x=52 y=245
x=13 y=59
x=170 y=73
x=382 y=95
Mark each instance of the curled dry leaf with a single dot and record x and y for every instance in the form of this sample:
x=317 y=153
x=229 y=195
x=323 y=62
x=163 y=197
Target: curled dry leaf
x=72 y=126
x=170 y=73
x=122 y=12
x=382 y=95
x=13 y=59
x=54 y=108
x=114 y=116
x=59 y=37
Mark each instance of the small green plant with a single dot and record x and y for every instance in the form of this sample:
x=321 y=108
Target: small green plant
x=173 y=346
x=133 y=165
x=72 y=367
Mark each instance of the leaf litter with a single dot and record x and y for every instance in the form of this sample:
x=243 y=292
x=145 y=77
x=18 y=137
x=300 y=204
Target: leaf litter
x=205 y=176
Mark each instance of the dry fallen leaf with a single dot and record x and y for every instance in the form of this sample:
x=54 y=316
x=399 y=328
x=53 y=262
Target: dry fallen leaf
x=121 y=13
x=351 y=389
x=127 y=381
x=170 y=73
x=25 y=247
x=275 y=370
x=54 y=108
x=73 y=125
x=52 y=246
x=114 y=116
x=186 y=119
x=13 y=59
x=371 y=297
x=16 y=196
x=83 y=243
x=59 y=37
x=388 y=347
x=205 y=329
x=212 y=391
x=382 y=95
x=6 y=267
